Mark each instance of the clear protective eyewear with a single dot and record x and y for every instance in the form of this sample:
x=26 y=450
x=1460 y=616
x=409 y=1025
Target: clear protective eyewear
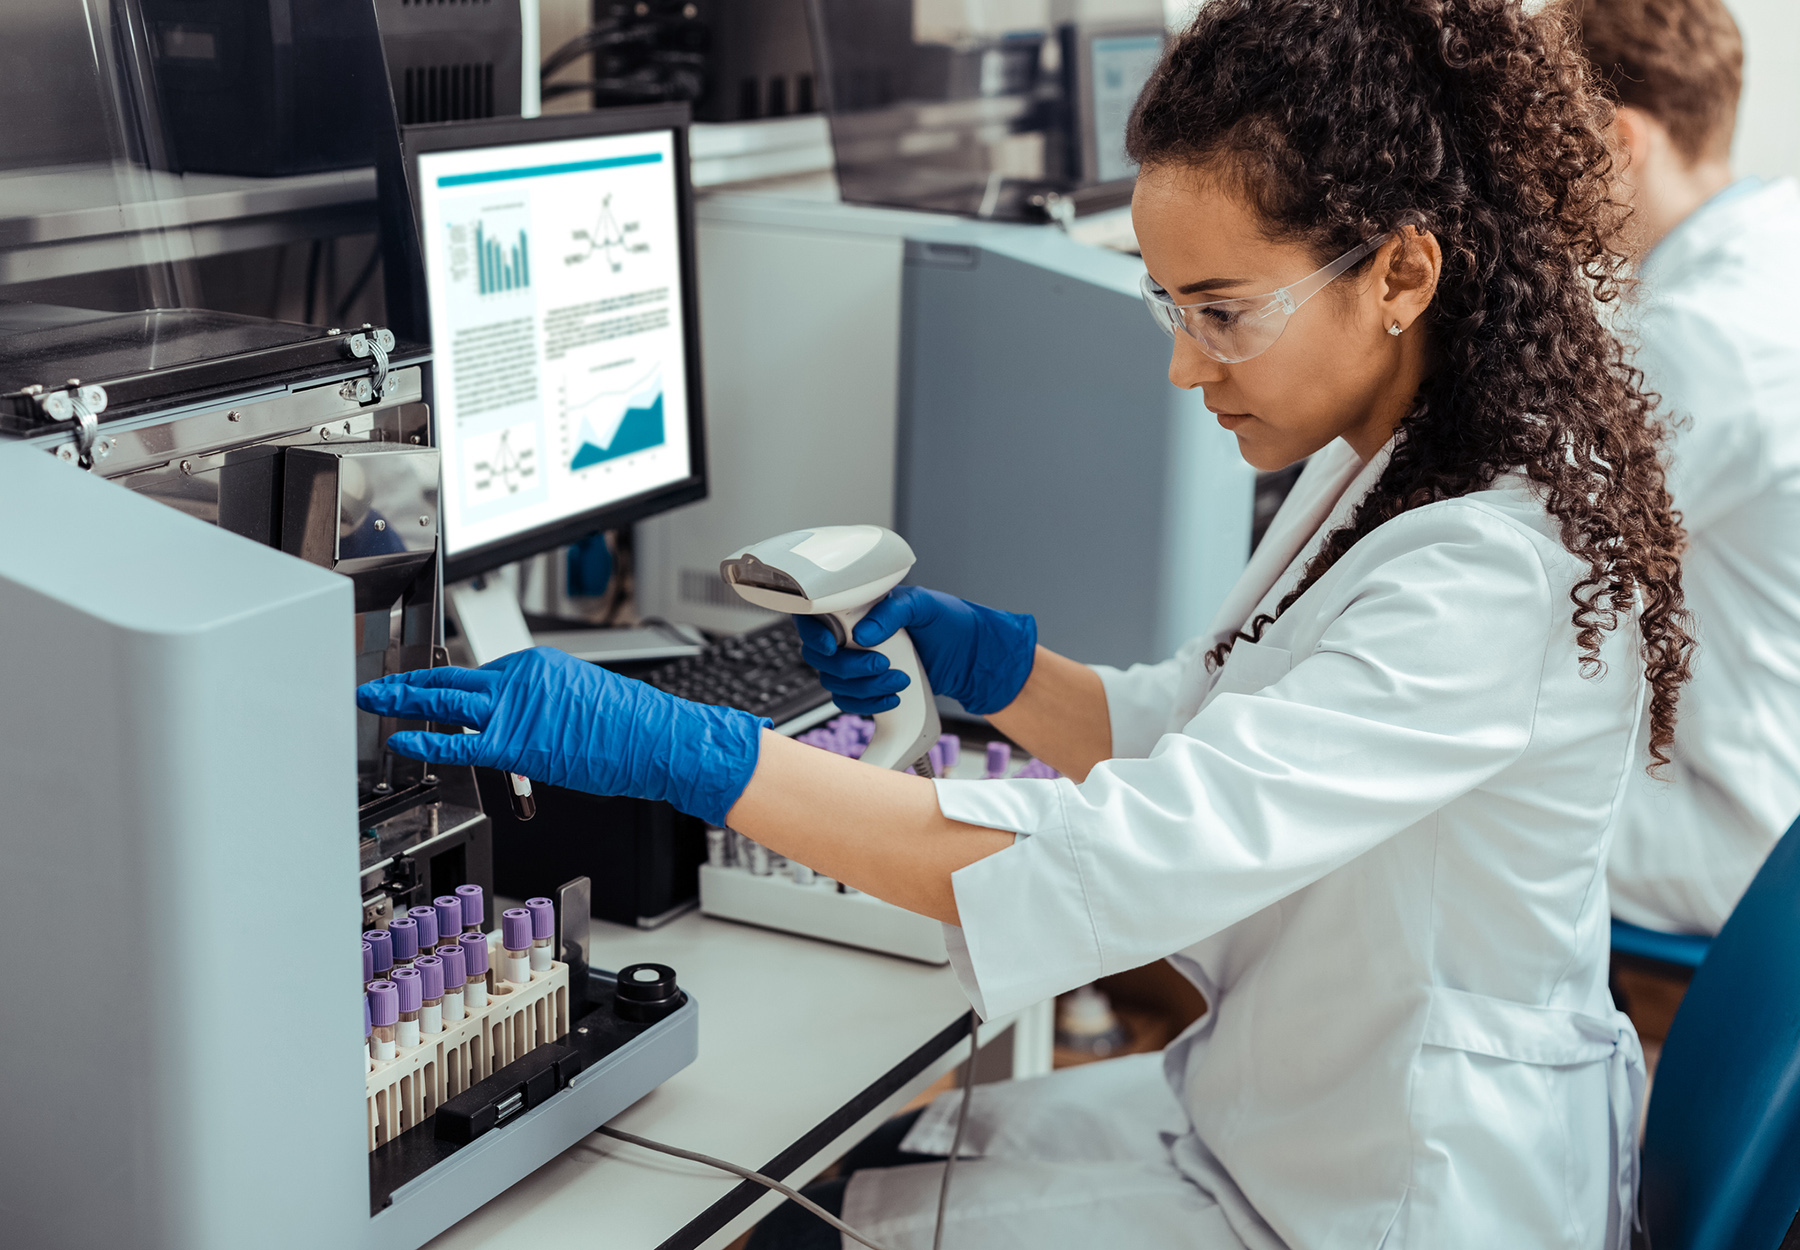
x=1234 y=330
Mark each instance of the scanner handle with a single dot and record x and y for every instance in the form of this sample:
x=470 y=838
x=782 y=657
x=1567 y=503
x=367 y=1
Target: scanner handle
x=905 y=735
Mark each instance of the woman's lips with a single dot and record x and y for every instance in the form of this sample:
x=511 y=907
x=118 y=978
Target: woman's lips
x=1231 y=420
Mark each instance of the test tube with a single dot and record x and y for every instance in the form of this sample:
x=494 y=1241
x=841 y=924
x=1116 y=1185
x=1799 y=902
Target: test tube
x=368 y=961
x=471 y=908
x=999 y=759
x=368 y=1028
x=449 y=910
x=718 y=847
x=759 y=858
x=384 y=1015
x=543 y=933
x=801 y=874
x=479 y=977
x=426 y=919
x=950 y=747
x=431 y=987
x=515 y=940
x=518 y=789
x=403 y=932
x=383 y=949
x=411 y=988
x=450 y=954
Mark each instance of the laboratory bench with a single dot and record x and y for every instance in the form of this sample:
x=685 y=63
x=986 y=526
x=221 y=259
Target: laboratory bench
x=805 y=1047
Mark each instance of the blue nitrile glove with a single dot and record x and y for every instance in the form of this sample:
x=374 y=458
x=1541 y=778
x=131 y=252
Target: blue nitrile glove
x=553 y=718
x=976 y=655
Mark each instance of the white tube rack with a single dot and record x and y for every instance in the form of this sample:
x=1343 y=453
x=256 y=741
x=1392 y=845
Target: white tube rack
x=416 y=1081
x=820 y=910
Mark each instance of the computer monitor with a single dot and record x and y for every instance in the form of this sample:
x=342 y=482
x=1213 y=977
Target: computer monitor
x=559 y=267
x=1110 y=64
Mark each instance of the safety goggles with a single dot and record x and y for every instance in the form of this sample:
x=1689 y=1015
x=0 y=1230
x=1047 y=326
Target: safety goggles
x=1233 y=330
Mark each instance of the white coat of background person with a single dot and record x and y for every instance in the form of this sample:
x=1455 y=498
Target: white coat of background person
x=1719 y=340
x=1375 y=837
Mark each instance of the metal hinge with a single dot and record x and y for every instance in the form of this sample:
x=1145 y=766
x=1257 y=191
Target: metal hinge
x=371 y=343
x=81 y=405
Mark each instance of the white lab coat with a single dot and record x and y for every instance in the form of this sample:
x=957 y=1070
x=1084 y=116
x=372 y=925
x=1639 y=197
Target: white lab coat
x=1375 y=841
x=1720 y=341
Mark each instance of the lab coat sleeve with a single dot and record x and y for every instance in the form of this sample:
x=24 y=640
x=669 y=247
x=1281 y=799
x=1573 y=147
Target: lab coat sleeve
x=1422 y=685
x=1715 y=453
x=1140 y=700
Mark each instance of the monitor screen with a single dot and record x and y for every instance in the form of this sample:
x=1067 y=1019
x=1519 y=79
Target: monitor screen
x=559 y=325
x=1122 y=64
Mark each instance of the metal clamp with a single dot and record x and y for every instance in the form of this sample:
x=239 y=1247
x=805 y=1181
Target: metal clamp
x=83 y=406
x=374 y=342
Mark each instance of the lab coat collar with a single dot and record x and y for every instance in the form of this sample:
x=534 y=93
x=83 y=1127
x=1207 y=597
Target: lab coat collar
x=1332 y=484
x=1725 y=216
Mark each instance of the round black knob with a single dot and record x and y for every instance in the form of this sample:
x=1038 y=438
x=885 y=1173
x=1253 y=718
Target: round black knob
x=646 y=993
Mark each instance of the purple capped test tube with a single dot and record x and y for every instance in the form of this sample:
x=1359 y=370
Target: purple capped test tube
x=543 y=933
x=949 y=746
x=431 y=988
x=368 y=961
x=411 y=988
x=999 y=759
x=449 y=910
x=384 y=1016
x=426 y=918
x=403 y=932
x=515 y=940
x=383 y=948
x=471 y=908
x=452 y=958
x=368 y=1028
x=479 y=979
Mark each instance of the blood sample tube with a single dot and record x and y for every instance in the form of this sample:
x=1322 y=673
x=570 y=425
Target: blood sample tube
x=515 y=940
x=452 y=958
x=411 y=988
x=999 y=759
x=383 y=950
x=543 y=933
x=449 y=910
x=403 y=932
x=431 y=986
x=950 y=747
x=479 y=978
x=384 y=1015
x=471 y=909
x=368 y=1027
x=801 y=874
x=518 y=789
x=426 y=919
x=368 y=961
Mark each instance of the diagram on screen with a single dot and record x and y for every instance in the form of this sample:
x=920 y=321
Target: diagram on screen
x=610 y=239
x=501 y=464
x=608 y=425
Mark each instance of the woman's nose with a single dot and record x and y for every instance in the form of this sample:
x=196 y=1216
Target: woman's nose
x=1189 y=367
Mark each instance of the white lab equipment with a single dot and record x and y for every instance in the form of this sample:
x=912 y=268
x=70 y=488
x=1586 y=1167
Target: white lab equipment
x=1374 y=840
x=1720 y=342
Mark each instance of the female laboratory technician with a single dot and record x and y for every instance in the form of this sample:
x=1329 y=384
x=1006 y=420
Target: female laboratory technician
x=1368 y=814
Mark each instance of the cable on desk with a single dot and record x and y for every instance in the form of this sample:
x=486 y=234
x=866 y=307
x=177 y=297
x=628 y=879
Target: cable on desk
x=787 y=1191
x=769 y=1181
x=962 y=1122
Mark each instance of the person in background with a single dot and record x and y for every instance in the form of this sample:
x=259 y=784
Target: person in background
x=1719 y=339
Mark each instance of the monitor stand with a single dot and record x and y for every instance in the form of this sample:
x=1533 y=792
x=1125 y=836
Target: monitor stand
x=493 y=624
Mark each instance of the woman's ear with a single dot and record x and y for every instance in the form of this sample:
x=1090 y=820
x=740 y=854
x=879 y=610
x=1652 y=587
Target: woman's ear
x=1406 y=272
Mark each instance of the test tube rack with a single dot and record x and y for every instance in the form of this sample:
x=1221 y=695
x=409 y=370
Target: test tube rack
x=412 y=1085
x=821 y=909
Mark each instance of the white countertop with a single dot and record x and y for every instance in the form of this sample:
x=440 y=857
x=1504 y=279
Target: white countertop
x=792 y=1031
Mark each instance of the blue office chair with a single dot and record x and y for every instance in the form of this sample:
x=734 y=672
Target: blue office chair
x=1684 y=950
x=1721 y=1158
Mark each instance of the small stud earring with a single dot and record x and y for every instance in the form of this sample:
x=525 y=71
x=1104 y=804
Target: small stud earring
x=1394 y=329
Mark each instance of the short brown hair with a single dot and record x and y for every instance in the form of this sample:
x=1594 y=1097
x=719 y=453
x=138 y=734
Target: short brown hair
x=1681 y=61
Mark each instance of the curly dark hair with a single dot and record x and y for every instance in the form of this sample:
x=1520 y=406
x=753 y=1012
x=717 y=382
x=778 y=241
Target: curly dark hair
x=1473 y=120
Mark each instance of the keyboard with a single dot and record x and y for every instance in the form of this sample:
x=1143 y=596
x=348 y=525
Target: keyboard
x=760 y=672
